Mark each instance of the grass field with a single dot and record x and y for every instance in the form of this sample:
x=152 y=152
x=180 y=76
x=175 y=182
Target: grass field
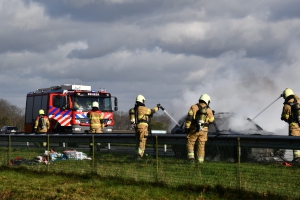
x=120 y=176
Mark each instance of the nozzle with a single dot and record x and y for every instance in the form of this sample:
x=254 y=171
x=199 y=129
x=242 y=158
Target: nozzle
x=160 y=107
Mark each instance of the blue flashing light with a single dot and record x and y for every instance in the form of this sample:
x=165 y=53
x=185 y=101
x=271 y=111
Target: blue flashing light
x=93 y=91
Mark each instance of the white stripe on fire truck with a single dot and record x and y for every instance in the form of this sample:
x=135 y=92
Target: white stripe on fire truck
x=81 y=116
x=65 y=120
x=107 y=116
x=66 y=123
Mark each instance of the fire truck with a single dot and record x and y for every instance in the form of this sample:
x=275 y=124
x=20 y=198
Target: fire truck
x=67 y=106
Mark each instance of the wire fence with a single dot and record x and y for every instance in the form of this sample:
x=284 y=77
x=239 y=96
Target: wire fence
x=255 y=164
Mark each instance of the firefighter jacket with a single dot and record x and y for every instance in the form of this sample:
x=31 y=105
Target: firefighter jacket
x=42 y=124
x=287 y=114
x=144 y=114
x=189 y=122
x=95 y=117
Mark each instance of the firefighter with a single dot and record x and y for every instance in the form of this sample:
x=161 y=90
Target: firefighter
x=41 y=125
x=96 y=119
x=291 y=115
x=76 y=104
x=140 y=117
x=96 y=122
x=197 y=121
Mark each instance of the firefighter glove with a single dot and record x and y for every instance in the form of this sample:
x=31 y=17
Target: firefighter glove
x=35 y=130
x=158 y=105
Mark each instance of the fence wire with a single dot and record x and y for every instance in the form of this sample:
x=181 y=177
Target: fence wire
x=230 y=162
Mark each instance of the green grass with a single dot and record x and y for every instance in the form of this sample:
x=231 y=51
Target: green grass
x=120 y=176
x=21 y=183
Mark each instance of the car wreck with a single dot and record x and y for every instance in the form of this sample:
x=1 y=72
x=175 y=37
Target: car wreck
x=228 y=123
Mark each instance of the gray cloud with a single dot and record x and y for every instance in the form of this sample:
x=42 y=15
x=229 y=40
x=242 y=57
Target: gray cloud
x=100 y=11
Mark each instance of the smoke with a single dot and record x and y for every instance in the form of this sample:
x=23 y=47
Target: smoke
x=241 y=85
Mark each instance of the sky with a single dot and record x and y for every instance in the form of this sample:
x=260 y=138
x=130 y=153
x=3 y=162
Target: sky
x=242 y=54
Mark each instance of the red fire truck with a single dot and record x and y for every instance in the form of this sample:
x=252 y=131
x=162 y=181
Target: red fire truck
x=67 y=107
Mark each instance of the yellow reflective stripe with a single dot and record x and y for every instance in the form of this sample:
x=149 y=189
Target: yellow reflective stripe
x=140 y=151
x=285 y=116
x=96 y=118
x=297 y=153
x=200 y=159
x=187 y=124
x=155 y=108
x=143 y=123
x=141 y=116
x=95 y=124
x=190 y=155
x=210 y=119
x=148 y=111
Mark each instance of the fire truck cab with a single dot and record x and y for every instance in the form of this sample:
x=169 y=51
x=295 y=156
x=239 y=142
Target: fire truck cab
x=67 y=106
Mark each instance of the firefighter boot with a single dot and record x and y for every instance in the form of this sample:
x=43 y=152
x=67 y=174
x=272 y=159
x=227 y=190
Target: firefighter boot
x=98 y=146
x=91 y=147
x=138 y=157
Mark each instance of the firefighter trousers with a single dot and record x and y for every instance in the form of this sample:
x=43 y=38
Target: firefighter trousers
x=201 y=138
x=141 y=135
x=294 y=130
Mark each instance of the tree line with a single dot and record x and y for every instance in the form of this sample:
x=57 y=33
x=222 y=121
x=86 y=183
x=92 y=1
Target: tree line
x=12 y=115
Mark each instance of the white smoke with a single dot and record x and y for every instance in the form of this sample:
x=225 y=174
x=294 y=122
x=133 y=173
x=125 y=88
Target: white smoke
x=244 y=86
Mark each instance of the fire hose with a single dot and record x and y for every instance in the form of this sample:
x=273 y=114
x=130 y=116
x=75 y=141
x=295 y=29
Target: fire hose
x=169 y=115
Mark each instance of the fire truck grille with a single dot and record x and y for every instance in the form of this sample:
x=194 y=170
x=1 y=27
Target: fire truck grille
x=84 y=121
x=105 y=120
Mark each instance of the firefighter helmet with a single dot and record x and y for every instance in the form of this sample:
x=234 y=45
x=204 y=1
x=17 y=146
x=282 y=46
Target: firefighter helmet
x=41 y=112
x=140 y=98
x=95 y=104
x=205 y=98
x=287 y=92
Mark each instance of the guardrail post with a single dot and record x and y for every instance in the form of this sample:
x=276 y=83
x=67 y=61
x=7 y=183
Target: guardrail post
x=48 y=149
x=93 y=153
x=156 y=148
x=9 y=149
x=239 y=162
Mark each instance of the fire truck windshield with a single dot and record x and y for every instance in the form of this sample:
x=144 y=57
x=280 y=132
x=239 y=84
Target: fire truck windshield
x=84 y=103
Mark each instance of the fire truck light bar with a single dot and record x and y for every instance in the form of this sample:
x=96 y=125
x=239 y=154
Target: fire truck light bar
x=68 y=87
x=76 y=87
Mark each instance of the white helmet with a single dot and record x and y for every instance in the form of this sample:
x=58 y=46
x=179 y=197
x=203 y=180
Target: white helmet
x=140 y=98
x=41 y=112
x=205 y=98
x=287 y=92
x=95 y=104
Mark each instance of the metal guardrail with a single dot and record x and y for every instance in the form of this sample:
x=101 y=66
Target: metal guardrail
x=254 y=141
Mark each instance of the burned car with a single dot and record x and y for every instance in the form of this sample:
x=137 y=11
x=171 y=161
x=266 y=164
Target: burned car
x=228 y=123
